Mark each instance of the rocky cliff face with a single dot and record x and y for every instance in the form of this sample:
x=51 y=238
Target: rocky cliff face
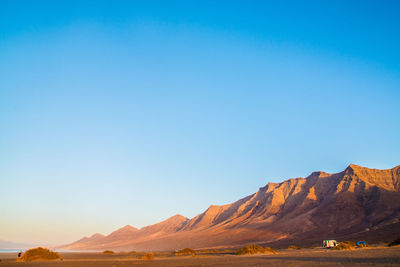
x=356 y=203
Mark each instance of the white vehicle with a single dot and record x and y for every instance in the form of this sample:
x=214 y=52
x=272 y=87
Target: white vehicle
x=329 y=243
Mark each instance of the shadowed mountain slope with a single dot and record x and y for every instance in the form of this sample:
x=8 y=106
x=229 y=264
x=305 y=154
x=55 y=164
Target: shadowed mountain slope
x=357 y=202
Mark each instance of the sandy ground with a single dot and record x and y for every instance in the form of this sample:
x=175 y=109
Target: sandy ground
x=378 y=256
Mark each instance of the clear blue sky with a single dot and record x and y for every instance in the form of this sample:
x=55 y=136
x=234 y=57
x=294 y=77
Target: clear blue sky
x=124 y=112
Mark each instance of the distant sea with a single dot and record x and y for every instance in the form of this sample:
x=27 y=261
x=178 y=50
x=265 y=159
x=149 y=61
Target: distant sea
x=14 y=250
x=2 y=250
x=11 y=250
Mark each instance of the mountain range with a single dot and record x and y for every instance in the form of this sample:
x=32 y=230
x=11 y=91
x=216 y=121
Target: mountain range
x=356 y=204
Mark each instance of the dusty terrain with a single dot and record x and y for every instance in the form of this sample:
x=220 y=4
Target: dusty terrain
x=376 y=256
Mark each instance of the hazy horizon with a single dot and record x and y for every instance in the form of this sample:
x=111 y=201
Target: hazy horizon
x=129 y=113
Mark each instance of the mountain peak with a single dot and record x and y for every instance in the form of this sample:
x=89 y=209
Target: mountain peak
x=387 y=179
x=355 y=169
x=129 y=228
x=96 y=235
x=354 y=166
x=319 y=174
x=178 y=217
x=124 y=231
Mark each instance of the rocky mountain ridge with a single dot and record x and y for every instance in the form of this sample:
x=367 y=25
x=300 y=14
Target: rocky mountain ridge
x=356 y=203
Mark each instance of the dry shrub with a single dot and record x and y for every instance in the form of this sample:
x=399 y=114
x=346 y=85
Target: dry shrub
x=109 y=252
x=39 y=254
x=148 y=256
x=293 y=247
x=255 y=249
x=394 y=242
x=186 y=251
x=227 y=251
x=346 y=245
x=270 y=250
x=209 y=251
x=132 y=252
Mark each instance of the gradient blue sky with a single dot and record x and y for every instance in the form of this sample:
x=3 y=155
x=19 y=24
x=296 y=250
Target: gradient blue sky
x=124 y=112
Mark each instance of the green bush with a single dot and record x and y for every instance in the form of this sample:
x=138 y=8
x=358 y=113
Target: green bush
x=255 y=249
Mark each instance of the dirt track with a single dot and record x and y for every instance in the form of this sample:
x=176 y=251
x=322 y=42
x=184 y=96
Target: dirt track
x=305 y=257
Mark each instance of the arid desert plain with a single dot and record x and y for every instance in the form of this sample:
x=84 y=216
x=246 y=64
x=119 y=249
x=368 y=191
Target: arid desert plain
x=379 y=255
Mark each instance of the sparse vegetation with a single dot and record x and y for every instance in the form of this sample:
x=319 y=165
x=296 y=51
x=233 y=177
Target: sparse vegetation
x=132 y=252
x=210 y=251
x=186 y=251
x=294 y=247
x=368 y=257
x=109 y=252
x=346 y=245
x=394 y=242
x=255 y=249
x=39 y=254
x=228 y=251
x=148 y=256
